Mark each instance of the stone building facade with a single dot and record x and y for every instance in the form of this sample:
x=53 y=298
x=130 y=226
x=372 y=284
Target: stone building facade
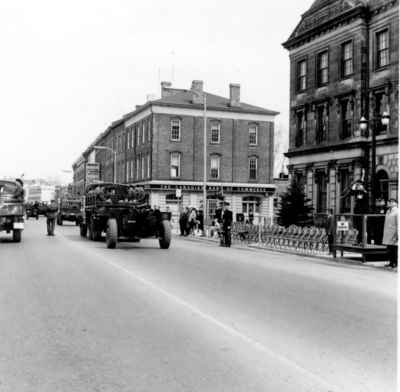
x=343 y=67
x=160 y=146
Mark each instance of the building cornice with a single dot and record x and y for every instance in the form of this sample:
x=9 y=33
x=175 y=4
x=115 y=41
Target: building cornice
x=308 y=35
x=359 y=143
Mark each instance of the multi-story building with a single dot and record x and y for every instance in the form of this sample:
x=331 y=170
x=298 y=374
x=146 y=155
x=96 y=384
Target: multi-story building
x=160 y=146
x=343 y=67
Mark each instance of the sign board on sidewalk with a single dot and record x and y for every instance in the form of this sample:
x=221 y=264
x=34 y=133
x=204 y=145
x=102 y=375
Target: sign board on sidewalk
x=178 y=192
x=342 y=226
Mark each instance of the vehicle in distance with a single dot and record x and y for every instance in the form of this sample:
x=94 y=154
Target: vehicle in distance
x=12 y=209
x=123 y=213
x=69 y=210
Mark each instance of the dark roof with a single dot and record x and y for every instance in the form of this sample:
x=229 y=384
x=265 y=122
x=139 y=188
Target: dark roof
x=184 y=99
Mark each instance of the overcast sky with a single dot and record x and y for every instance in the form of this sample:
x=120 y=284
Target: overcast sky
x=69 y=68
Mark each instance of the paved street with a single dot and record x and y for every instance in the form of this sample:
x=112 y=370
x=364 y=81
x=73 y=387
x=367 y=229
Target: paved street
x=75 y=316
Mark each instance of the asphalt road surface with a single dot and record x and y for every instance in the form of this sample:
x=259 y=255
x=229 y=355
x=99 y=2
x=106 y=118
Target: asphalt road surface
x=75 y=316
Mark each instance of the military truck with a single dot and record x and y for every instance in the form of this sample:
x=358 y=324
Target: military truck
x=12 y=209
x=69 y=210
x=123 y=213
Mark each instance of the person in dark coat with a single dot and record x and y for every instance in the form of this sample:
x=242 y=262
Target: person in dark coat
x=183 y=221
x=390 y=232
x=330 y=230
x=227 y=218
x=51 y=213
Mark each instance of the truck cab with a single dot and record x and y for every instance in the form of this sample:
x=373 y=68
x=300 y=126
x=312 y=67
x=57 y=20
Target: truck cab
x=12 y=209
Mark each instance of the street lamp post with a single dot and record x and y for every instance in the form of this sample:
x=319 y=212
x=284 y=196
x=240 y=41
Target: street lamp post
x=205 y=215
x=115 y=160
x=204 y=96
x=364 y=126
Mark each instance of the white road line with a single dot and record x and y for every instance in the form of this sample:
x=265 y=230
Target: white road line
x=232 y=331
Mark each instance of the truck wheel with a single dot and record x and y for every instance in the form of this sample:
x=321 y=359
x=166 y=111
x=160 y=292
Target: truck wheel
x=83 y=230
x=17 y=235
x=165 y=235
x=112 y=234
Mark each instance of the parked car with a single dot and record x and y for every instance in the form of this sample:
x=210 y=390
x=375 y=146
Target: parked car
x=123 y=214
x=12 y=209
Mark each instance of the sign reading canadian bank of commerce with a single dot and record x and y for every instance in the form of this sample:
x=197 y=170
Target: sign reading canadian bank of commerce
x=92 y=173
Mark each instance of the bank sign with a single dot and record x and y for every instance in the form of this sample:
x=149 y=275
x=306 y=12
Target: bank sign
x=92 y=173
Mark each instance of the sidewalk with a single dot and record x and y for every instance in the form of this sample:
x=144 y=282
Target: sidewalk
x=348 y=258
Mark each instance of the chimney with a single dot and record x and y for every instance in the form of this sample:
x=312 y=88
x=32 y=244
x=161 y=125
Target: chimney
x=165 y=86
x=197 y=87
x=234 y=94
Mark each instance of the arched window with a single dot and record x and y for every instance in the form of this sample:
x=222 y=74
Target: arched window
x=382 y=185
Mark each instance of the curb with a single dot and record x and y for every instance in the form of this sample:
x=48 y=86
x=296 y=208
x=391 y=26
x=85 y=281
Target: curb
x=255 y=247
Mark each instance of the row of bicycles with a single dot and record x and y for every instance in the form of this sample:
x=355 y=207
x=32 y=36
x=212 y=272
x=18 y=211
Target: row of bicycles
x=302 y=239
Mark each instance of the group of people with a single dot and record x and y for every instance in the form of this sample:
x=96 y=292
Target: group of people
x=191 y=221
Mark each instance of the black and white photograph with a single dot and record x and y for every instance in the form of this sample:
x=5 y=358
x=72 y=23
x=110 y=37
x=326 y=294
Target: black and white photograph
x=199 y=196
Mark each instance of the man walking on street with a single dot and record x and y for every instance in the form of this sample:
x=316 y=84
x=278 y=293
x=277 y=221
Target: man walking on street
x=227 y=219
x=51 y=214
x=390 y=232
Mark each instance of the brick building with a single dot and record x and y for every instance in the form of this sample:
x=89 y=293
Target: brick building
x=160 y=146
x=344 y=66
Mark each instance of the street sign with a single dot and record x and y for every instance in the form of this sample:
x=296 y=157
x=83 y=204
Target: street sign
x=342 y=226
x=178 y=192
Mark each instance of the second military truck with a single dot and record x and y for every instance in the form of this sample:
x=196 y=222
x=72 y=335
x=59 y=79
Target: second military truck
x=123 y=213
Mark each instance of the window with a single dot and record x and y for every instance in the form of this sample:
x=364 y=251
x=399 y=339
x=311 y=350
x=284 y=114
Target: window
x=214 y=167
x=301 y=75
x=382 y=48
x=127 y=171
x=253 y=137
x=137 y=167
x=253 y=168
x=300 y=123
x=322 y=182
x=128 y=142
x=322 y=64
x=345 y=118
x=320 y=131
x=345 y=197
x=137 y=130
x=175 y=130
x=148 y=166
x=132 y=138
x=379 y=98
x=144 y=132
x=215 y=133
x=149 y=131
x=175 y=165
x=251 y=206
x=143 y=166
x=347 y=59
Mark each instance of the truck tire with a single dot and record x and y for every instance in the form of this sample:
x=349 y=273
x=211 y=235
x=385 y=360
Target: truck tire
x=17 y=235
x=165 y=235
x=112 y=234
x=83 y=230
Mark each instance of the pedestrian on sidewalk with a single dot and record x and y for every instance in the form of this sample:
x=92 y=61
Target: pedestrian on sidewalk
x=51 y=213
x=227 y=218
x=330 y=228
x=183 y=221
x=390 y=237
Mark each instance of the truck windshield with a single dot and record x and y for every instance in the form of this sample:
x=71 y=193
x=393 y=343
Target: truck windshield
x=9 y=191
